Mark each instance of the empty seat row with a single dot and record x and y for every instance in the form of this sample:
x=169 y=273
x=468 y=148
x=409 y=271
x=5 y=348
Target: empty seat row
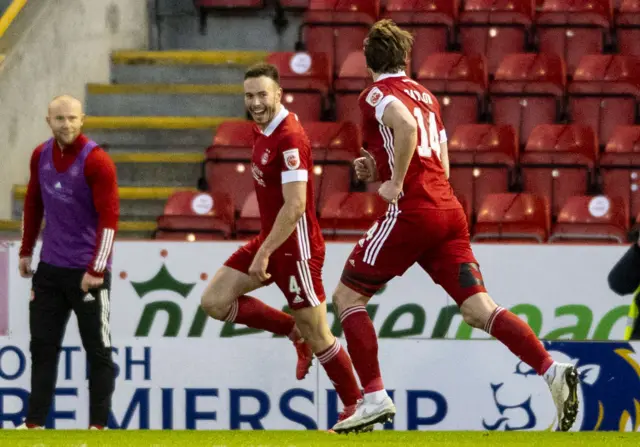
x=557 y=162
x=494 y=28
x=528 y=89
x=346 y=216
x=228 y=160
x=568 y=28
x=522 y=216
x=410 y=5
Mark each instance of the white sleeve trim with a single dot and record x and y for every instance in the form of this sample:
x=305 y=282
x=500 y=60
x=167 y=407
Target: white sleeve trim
x=299 y=175
x=443 y=136
x=382 y=105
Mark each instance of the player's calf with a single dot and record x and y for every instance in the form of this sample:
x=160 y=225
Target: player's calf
x=312 y=322
x=477 y=309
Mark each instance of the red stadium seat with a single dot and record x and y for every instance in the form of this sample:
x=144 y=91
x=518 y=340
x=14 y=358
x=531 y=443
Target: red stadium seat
x=628 y=28
x=306 y=81
x=573 y=28
x=228 y=161
x=248 y=223
x=459 y=82
x=482 y=159
x=495 y=28
x=228 y=4
x=187 y=236
x=528 y=90
x=430 y=21
x=338 y=27
x=586 y=219
x=294 y=4
x=620 y=167
x=513 y=217
x=352 y=79
x=205 y=7
x=232 y=140
x=197 y=213
x=604 y=93
x=335 y=146
x=346 y=216
x=558 y=162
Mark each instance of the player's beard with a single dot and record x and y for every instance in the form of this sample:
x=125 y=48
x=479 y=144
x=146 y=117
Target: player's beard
x=265 y=116
x=66 y=137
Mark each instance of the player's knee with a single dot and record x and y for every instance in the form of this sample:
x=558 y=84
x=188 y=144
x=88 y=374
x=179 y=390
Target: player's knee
x=214 y=306
x=343 y=301
x=472 y=318
x=318 y=336
x=477 y=309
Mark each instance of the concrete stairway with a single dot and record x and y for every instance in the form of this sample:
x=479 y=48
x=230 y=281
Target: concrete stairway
x=156 y=119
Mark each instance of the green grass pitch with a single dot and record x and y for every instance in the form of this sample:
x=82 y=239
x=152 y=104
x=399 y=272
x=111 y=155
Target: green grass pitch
x=193 y=438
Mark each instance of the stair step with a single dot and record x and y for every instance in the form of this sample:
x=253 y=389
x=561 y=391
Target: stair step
x=186 y=57
x=143 y=169
x=136 y=203
x=182 y=67
x=157 y=157
x=187 y=100
x=177 y=74
x=154 y=122
x=142 y=140
x=126 y=228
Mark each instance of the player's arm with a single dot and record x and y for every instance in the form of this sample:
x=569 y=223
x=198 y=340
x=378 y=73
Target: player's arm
x=295 y=175
x=31 y=216
x=405 y=133
x=444 y=157
x=442 y=138
x=100 y=172
x=295 y=203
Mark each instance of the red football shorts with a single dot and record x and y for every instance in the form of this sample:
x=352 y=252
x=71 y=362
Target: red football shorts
x=299 y=280
x=438 y=240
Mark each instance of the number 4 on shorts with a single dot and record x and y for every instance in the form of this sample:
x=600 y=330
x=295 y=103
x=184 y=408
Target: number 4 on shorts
x=293 y=285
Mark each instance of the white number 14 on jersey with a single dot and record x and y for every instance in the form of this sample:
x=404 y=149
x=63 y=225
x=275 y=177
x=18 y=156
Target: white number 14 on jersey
x=428 y=139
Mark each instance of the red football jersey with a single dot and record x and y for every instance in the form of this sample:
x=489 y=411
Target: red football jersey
x=425 y=185
x=282 y=154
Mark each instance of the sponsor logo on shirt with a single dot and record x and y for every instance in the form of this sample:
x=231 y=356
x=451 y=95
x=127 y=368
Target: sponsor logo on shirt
x=375 y=96
x=257 y=174
x=292 y=158
x=265 y=157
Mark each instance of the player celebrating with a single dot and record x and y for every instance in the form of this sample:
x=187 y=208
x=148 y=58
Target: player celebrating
x=425 y=224
x=289 y=250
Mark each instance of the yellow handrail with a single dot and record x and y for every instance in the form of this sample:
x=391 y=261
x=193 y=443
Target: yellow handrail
x=10 y=14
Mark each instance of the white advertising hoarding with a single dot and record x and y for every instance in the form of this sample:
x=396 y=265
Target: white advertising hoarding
x=178 y=369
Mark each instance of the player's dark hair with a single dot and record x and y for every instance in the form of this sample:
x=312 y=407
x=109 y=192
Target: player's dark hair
x=263 y=69
x=387 y=47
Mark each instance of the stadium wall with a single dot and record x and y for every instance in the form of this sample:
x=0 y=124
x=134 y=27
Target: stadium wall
x=66 y=45
x=178 y=369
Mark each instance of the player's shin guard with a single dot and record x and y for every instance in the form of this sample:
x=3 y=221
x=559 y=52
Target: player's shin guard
x=257 y=315
x=362 y=344
x=337 y=364
x=516 y=335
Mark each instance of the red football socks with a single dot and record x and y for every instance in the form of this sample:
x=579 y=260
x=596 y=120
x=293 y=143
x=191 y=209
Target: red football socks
x=337 y=364
x=516 y=335
x=362 y=343
x=257 y=315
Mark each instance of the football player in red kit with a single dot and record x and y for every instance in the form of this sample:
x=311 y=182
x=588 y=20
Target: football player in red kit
x=289 y=251
x=425 y=224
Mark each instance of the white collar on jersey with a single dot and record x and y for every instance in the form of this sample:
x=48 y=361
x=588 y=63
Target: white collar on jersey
x=275 y=122
x=399 y=74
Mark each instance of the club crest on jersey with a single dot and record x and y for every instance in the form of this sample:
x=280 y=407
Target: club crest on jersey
x=265 y=157
x=291 y=158
x=374 y=96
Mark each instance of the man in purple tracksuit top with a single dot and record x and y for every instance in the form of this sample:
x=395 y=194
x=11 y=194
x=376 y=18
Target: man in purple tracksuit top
x=73 y=186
